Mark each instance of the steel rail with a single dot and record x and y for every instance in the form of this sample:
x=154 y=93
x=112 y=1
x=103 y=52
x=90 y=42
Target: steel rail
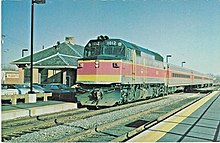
x=31 y=119
x=76 y=137
x=45 y=121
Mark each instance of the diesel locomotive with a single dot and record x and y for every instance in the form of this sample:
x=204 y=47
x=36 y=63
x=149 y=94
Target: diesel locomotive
x=114 y=72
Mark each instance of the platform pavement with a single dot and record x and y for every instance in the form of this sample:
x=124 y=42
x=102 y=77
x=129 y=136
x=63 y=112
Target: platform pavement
x=10 y=111
x=199 y=122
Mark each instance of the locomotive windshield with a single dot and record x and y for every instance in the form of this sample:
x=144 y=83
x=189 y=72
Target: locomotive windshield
x=114 y=50
x=97 y=48
x=93 y=51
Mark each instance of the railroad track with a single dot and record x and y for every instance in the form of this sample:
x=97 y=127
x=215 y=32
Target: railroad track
x=32 y=124
x=32 y=119
x=18 y=127
x=121 y=129
x=74 y=128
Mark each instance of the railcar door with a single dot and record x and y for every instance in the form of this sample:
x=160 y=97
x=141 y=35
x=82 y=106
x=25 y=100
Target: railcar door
x=133 y=58
x=167 y=75
x=192 y=78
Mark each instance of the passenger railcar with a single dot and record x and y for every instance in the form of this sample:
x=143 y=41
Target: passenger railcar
x=114 y=71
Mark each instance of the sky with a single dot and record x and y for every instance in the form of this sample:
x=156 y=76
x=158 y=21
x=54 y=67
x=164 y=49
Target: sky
x=189 y=30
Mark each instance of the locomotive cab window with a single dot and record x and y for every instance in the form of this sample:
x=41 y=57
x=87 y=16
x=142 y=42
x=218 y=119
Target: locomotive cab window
x=108 y=49
x=114 y=50
x=93 y=51
x=138 y=53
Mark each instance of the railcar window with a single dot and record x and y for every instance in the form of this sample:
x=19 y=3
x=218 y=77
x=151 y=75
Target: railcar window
x=207 y=78
x=197 y=77
x=138 y=53
x=180 y=75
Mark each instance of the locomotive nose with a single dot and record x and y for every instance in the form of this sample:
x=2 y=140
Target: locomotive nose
x=96 y=64
x=99 y=71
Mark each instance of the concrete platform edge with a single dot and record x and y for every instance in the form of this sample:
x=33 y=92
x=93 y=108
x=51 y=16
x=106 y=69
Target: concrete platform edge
x=35 y=111
x=12 y=114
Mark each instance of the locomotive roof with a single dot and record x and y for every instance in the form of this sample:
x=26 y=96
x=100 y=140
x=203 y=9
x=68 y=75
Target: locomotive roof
x=158 y=57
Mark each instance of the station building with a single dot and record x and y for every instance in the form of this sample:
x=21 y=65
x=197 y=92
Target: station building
x=9 y=76
x=56 y=64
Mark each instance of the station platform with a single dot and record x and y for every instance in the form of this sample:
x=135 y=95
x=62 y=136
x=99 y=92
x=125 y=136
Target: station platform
x=10 y=111
x=199 y=122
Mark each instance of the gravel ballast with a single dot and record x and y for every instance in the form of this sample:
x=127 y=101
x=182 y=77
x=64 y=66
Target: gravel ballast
x=67 y=129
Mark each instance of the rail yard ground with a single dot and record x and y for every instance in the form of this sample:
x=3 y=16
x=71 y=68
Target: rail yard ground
x=118 y=123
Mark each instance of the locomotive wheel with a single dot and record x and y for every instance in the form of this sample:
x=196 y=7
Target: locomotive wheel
x=150 y=92
x=156 y=92
x=138 y=94
x=131 y=95
x=170 y=90
x=173 y=90
x=124 y=94
x=162 y=90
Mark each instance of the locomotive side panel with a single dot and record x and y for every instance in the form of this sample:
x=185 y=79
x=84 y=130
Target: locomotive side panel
x=126 y=72
x=155 y=72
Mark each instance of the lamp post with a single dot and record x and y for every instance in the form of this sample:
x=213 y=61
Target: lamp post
x=168 y=56
x=22 y=52
x=32 y=37
x=183 y=63
x=167 y=74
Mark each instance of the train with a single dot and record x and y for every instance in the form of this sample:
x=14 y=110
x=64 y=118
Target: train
x=114 y=72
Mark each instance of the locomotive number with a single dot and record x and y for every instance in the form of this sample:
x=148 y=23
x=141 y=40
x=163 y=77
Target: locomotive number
x=95 y=43
x=111 y=43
